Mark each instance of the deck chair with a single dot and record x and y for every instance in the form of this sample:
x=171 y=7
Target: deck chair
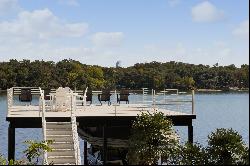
x=46 y=94
x=25 y=95
x=123 y=96
x=62 y=99
x=89 y=97
x=105 y=96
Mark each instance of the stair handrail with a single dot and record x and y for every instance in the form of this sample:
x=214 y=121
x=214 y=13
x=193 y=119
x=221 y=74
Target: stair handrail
x=42 y=101
x=10 y=97
x=74 y=129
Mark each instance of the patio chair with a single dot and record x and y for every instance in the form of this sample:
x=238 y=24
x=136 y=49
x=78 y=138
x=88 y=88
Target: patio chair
x=105 y=96
x=123 y=96
x=88 y=95
x=62 y=99
x=25 y=95
x=46 y=94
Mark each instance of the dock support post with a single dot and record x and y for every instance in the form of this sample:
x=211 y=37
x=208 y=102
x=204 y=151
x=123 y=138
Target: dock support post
x=193 y=102
x=104 y=146
x=190 y=134
x=11 y=142
x=85 y=153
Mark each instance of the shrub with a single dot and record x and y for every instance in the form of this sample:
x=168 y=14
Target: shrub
x=226 y=147
x=33 y=153
x=192 y=154
x=152 y=136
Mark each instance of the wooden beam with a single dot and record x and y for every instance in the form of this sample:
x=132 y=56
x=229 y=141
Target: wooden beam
x=11 y=142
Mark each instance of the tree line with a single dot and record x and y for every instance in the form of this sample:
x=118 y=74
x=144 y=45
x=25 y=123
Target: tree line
x=155 y=75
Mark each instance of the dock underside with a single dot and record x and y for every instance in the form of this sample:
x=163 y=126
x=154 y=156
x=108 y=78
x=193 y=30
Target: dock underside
x=92 y=122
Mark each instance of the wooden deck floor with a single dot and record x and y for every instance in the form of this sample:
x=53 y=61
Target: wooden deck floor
x=92 y=110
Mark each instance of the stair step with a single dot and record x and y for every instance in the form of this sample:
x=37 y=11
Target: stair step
x=58 y=132
x=61 y=160
x=61 y=152
x=58 y=123
x=59 y=138
x=59 y=129
x=69 y=145
x=58 y=126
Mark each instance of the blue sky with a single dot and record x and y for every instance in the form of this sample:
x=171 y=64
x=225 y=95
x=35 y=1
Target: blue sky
x=132 y=31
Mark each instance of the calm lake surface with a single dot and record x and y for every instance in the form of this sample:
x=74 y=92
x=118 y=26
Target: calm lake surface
x=213 y=110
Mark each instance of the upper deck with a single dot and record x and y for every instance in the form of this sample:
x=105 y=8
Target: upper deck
x=18 y=111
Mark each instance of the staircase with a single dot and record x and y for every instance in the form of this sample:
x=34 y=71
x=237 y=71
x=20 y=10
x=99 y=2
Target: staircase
x=65 y=146
x=63 y=152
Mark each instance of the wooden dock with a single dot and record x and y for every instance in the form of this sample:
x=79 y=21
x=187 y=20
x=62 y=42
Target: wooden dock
x=109 y=121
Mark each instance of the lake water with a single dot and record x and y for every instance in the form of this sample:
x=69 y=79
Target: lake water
x=217 y=110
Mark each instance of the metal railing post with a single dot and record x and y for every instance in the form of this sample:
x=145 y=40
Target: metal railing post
x=193 y=102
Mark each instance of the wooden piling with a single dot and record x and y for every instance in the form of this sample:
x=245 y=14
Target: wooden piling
x=85 y=153
x=190 y=134
x=11 y=142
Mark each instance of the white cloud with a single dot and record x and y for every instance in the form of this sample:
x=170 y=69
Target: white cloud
x=7 y=6
x=206 y=12
x=69 y=2
x=108 y=39
x=174 y=3
x=40 y=24
x=242 y=31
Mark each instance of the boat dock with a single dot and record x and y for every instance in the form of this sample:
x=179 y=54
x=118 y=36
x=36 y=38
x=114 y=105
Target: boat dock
x=95 y=120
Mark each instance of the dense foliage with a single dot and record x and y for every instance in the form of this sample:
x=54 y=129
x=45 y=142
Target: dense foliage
x=148 y=144
x=226 y=147
x=33 y=153
x=156 y=75
x=152 y=136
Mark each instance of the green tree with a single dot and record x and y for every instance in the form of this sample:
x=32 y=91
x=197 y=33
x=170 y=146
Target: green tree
x=33 y=153
x=152 y=137
x=36 y=149
x=192 y=154
x=226 y=147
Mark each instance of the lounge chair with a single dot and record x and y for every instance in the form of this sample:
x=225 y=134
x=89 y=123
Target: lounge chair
x=25 y=95
x=88 y=95
x=62 y=99
x=46 y=94
x=123 y=96
x=105 y=96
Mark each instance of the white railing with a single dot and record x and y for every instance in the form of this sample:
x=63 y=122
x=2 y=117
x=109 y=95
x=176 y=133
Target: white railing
x=74 y=129
x=10 y=97
x=42 y=109
x=144 y=94
x=178 y=100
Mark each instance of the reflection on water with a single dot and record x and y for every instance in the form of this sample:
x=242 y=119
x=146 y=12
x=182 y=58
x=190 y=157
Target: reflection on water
x=220 y=110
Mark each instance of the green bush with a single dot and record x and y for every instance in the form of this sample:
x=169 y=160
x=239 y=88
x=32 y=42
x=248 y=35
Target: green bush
x=192 y=154
x=33 y=153
x=226 y=147
x=36 y=149
x=152 y=136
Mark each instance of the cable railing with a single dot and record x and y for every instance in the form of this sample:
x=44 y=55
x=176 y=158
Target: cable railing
x=177 y=101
